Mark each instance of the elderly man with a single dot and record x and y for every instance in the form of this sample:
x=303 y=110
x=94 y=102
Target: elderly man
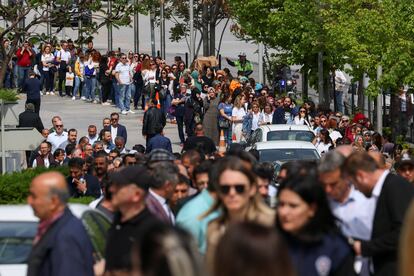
x=61 y=246
x=165 y=178
x=57 y=137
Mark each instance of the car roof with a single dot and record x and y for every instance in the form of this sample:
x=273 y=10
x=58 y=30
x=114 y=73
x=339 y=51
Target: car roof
x=281 y=127
x=284 y=144
x=25 y=213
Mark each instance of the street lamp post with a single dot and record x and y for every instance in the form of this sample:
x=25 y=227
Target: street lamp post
x=136 y=29
x=110 y=26
x=192 y=42
x=162 y=29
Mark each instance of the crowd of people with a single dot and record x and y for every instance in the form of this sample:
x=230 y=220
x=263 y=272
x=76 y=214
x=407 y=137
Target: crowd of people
x=203 y=210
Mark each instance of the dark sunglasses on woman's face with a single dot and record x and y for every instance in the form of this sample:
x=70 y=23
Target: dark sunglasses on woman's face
x=225 y=189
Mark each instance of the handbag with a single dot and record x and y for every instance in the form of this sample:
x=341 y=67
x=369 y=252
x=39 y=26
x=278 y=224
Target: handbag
x=224 y=124
x=171 y=110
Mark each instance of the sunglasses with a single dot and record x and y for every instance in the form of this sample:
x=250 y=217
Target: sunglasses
x=302 y=111
x=123 y=57
x=225 y=189
x=114 y=119
x=323 y=121
x=59 y=125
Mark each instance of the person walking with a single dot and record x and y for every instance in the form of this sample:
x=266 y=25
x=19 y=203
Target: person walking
x=153 y=122
x=32 y=88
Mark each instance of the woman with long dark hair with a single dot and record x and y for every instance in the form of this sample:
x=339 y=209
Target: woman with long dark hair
x=304 y=218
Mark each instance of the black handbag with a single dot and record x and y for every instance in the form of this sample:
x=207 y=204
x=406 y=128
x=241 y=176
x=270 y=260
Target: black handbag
x=224 y=124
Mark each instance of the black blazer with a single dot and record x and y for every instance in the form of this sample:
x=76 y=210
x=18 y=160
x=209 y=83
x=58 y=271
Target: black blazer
x=394 y=200
x=30 y=119
x=92 y=185
x=121 y=131
x=64 y=250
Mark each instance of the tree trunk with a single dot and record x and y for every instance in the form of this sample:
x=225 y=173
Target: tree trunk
x=205 y=17
x=213 y=9
x=361 y=94
x=305 y=80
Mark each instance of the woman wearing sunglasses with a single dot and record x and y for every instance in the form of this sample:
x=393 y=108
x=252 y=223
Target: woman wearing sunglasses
x=237 y=199
x=315 y=243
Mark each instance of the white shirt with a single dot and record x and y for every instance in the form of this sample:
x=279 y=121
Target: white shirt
x=335 y=135
x=150 y=76
x=378 y=186
x=255 y=121
x=114 y=131
x=124 y=70
x=47 y=58
x=265 y=118
x=322 y=148
x=64 y=55
x=45 y=160
x=239 y=113
x=93 y=139
x=56 y=139
x=164 y=205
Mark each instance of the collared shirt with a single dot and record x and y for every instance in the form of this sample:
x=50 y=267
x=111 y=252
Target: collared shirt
x=378 y=186
x=356 y=214
x=164 y=205
x=190 y=219
x=92 y=139
x=56 y=139
x=64 y=55
x=114 y=131
x=44 y=226
x=45 y=160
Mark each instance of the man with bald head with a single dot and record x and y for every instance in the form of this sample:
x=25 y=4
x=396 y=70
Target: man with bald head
x=61 y=245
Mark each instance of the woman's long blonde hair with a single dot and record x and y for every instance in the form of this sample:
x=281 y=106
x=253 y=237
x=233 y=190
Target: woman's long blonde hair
x=406 y=248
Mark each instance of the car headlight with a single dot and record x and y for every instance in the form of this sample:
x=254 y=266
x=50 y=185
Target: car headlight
x=289 y=82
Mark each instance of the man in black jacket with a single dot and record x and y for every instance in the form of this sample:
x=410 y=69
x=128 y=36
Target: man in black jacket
x=29 y=118
x=154 y=121
x=393 y=195
x=32 y=87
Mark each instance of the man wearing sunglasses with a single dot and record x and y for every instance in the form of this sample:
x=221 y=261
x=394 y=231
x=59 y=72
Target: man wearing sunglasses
x=58 y=136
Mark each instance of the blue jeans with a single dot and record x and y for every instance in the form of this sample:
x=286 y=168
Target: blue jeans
x=124 y=96
x=90 y=86
x=7 y=80
x=166 y=105
x=115 y=91
x=23 y=74
x=339 y=101
x=227 y=135
x=77 y=86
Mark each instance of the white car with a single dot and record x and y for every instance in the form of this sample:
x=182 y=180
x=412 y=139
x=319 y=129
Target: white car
x=18 y=227
x=285 y=151
x=281 y=132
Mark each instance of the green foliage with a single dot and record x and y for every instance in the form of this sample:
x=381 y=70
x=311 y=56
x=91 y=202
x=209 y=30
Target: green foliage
x=362 y=33
x=8 y=95
x=14 y=188
x=82 y=200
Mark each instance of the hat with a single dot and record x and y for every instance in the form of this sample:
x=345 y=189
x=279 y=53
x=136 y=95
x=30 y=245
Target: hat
x=138 y=175
x=405 y=160
x=160 y=155
x=242 y=54
x=244 y=79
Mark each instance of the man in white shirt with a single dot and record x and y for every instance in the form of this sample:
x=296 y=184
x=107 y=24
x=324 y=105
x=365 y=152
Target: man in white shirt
x=123 y=75
x=63 y=57
x=340 y=85
x=58 y=136
x=92 y=134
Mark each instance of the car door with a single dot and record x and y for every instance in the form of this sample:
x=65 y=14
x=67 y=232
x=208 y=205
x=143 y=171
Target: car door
x=97 y=225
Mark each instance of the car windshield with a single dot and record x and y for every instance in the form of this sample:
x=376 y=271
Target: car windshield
x=295 y=135
x=271 y=155
x=16 y=239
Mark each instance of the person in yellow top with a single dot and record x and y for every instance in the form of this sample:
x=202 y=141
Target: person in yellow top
x=79 y=76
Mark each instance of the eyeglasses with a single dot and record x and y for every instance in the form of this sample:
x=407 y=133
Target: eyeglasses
x=136 y=56
x=239 y=188
x=345 y=121
x=302 y=111
x=59 y=125
x=123 y=57
x=114 y=119
x=323 y=121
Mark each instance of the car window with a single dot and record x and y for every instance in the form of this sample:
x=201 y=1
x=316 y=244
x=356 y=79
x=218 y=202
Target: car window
x=259 y=137
x=97 y=226
x=16 y=240
x=293 y=135
x=271 y=155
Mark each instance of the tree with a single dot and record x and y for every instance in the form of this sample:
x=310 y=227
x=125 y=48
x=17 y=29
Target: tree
x=207 y=15
x=55 y=12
